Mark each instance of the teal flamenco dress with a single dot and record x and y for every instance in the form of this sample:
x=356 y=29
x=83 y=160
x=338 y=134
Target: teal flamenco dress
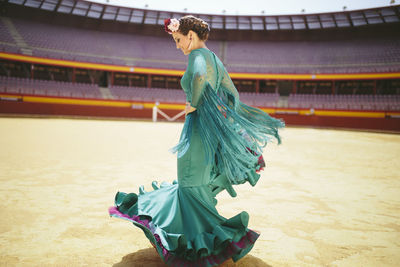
x=220 y=146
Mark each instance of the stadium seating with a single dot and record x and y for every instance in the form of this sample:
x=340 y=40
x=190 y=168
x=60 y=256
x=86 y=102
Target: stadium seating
x=345 y=56
x=48 y=88
x=80 y=90
x=261 y=100
x=345 y=102
x=341 y=56
x=148 y=94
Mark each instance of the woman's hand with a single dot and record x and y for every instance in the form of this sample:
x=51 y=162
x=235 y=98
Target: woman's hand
x=189 y=108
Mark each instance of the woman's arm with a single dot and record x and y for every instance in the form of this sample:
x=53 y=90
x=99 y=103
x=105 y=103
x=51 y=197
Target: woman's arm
x=198 y=82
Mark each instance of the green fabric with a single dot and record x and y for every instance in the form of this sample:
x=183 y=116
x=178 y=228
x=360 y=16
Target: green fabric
x=213 y=155
x=227 y=127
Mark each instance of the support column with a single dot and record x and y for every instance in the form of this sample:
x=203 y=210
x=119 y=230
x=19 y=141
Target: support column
x=32 y=68
x=294 y=88
x=374 y=87
x=149 y=81
x=257 y=86
x=333 y=87
x=73 y=75
x=91 y=76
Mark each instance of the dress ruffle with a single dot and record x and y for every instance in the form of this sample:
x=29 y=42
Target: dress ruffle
x=210 y=240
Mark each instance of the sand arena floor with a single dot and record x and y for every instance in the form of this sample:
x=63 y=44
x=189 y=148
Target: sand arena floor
x=326 y=198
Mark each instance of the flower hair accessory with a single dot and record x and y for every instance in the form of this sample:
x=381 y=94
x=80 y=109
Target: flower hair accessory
x=171 y=25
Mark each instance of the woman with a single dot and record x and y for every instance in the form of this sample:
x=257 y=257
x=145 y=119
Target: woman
x=220 y=146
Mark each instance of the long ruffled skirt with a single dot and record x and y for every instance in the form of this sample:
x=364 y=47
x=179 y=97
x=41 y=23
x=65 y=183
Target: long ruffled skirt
x=184 y=226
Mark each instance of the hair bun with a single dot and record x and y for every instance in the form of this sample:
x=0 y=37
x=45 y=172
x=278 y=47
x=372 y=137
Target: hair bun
x=197 y=25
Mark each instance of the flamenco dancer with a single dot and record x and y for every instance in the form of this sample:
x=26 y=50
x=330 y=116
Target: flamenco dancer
x=220 y=146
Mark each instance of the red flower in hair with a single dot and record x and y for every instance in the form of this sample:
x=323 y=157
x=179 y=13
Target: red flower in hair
x=171 y=25
x=166 y=23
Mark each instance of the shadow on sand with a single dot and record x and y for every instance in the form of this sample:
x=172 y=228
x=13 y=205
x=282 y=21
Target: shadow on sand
x=149 y=258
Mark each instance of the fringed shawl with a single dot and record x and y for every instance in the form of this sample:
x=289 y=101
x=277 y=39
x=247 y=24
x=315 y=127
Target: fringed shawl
x=233 y=133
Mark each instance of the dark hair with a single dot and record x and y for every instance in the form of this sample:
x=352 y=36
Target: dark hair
x=197 y=25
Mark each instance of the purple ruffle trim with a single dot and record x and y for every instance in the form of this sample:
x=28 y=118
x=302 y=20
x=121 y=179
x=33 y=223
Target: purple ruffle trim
x=231 y=250
x=113 y=211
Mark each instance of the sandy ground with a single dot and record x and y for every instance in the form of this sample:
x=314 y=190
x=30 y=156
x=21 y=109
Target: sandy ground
x=326 y=198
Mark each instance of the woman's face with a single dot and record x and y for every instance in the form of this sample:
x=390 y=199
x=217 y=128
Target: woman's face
x=182 y=42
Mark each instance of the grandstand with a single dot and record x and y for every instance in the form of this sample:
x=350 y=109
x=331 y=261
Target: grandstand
x=334 y=69
x=334 y=56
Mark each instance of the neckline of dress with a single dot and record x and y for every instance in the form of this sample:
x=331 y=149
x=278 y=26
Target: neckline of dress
x=200 y=48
